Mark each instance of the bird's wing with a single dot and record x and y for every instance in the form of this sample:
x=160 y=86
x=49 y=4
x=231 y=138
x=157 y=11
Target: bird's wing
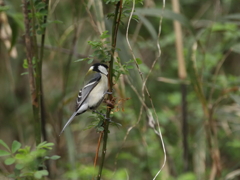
x=92 y=81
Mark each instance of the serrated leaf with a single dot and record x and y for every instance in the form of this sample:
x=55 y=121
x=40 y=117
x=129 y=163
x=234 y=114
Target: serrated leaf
x=15 y=146
x=4 y=144
x=9 y=161
x=4 y=153
x=100 y=128
x=55 y=157
x=104 y=35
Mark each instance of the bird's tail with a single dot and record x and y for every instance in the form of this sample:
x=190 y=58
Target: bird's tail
x=68 y=122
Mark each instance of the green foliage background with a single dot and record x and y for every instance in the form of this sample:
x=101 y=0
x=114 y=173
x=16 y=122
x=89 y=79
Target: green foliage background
x=211 y=25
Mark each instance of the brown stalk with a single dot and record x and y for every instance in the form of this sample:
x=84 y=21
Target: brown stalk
x=98 y=147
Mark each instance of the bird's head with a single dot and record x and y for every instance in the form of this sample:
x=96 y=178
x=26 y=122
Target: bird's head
x=99 y=67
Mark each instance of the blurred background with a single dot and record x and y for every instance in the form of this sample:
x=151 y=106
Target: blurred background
x=194 y=87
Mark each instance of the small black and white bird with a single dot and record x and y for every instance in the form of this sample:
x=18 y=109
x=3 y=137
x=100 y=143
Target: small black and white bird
x=93 y=92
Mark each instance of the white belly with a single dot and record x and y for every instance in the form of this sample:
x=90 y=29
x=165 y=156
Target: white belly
x=97 y=94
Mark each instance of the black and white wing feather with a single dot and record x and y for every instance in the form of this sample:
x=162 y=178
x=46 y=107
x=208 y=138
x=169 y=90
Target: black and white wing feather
x=92 y=81
x=86 y=90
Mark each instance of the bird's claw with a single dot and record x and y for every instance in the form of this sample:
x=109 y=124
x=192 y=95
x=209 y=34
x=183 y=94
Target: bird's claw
x=108 y=92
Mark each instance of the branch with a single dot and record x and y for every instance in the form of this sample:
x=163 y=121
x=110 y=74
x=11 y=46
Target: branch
x=116 y=22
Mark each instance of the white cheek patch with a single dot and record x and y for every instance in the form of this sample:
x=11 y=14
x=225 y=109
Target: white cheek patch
x=103 y=69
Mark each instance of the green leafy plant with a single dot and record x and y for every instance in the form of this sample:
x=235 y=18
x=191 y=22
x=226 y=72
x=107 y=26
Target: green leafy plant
x=101 y=49
x=27 y=162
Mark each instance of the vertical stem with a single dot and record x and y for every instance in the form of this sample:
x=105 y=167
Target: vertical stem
x=185 y=127
x=40 y=94
x=116 y=22
x=40 y=75
x=182 y=75
x=31 y=51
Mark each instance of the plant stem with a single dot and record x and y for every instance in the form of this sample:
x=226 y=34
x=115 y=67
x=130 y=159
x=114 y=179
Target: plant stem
x=115 y=26
x=97 y=150
x=43 y=120
x=31 y=51
x=182 y=74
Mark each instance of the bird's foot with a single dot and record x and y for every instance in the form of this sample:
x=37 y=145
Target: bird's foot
x=108 y=93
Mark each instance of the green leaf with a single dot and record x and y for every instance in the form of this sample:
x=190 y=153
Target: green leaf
x=25 y=64
x=100 y=128
x=149 y=26
x=235 y=98
x=40 y=5
x=57 y=22
x=19 y=166
x=139 y=61
x=15 y=146
x=90 y=61
x=46 y=157
x=55 y=157
x=9 y=161
x=166 y=14
x=187 y=176
x=17 y=18
x=4 y=144
x=40 y=174
x=4 y=8
x=39 y=32
x=104 y=35
x=25 y=73
x=236 y=48
x=81 y=60
x=45 y=145
x=4 y=153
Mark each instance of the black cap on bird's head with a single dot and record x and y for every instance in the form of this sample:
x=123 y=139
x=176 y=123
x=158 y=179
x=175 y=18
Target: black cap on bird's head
x=99 y=67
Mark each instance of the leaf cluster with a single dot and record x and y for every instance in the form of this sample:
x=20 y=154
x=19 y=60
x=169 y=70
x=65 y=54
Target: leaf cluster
x=40 y=12
x=101 y=49
x=27 y=161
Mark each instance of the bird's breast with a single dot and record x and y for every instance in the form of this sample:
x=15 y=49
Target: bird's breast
x=97 y=94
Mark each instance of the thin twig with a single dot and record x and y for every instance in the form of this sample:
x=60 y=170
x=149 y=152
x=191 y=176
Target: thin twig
x=97 y=150
x=219 y=65
x=144 y=88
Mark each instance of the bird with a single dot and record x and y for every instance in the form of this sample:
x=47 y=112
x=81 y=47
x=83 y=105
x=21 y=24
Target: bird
x=93 y=92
